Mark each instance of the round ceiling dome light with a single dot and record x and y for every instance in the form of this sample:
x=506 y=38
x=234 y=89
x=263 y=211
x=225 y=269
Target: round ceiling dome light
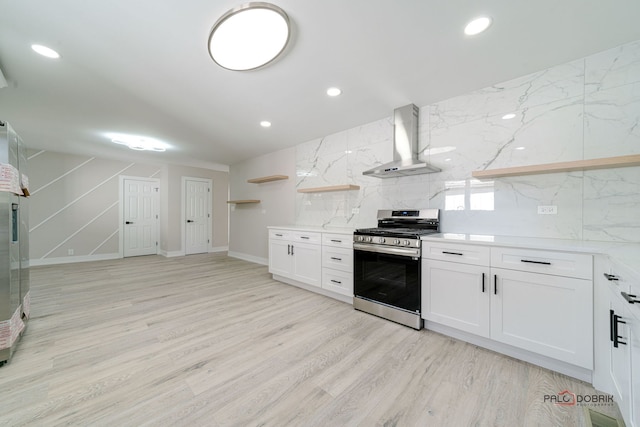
x=334 y=91
x=138 y=143
x=249 y=36
x=45 y=51
x=477 y=26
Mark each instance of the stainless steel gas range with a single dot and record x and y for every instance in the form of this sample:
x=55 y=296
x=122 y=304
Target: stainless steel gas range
x=387 y=274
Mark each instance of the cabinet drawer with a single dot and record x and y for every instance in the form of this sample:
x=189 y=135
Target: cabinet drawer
x=337 y=281
x=337 y=240
x=547 y=262
x=311 y=237
x=467 y=254
x=280 y=234
x=338 y=258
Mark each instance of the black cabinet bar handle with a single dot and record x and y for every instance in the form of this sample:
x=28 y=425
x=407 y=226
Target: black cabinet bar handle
x=482 y=282
x=279 y=235
x=495 y=284
x=452 y=253
x=291 y=249
x=336 y=281
x=611 y=327
x=337 y=259
x=535 y=262
x=611 y=277
x=631 y=299
x=336 y=241
x=288 y=249
x=305 y=237
x=616 y=337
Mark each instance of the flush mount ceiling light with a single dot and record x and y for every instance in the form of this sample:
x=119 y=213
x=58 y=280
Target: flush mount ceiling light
x=45 y=51
x=138 y=143
x=249 y=36
x=334 y=91
x=477 y=26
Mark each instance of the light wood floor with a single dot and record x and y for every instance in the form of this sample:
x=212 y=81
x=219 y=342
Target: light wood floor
x=207 y=340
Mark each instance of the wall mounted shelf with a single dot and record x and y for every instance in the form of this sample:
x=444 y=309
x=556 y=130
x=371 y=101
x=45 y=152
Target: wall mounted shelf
x=243 y=202
x=267 y=179
x=578 y=165
x=346 y=187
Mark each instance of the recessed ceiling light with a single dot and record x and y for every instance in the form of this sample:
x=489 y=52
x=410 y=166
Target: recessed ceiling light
x=45 y=51
x=265 y=124
x=333 y=91
x=477 y=26
x=138 y=143
x=508 y=116
x=249 y=36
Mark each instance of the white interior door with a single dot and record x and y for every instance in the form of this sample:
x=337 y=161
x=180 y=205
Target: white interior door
x=140 y=217
x=196 y=215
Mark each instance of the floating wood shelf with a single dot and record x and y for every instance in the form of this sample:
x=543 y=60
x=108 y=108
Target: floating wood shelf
x=267 y=179
x=578 y=165
x=242 y=202
x=332 y=188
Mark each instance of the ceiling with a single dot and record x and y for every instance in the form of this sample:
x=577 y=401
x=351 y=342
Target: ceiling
x=142 y=67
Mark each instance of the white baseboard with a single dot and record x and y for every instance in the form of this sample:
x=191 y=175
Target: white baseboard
x=218 y=249
x=72 y=259
x=171 y=254
x=250 y=258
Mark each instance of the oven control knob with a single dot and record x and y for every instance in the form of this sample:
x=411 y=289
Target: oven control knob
x=360 y=238
x=406 y=243
x=396 y=242
x=382 y=240
x=368 y=239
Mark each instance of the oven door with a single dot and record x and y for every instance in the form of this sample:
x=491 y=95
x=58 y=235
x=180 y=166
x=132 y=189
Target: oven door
x=386 y=277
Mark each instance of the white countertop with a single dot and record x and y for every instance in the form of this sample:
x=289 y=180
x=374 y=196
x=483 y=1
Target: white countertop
x=626 y=254
x=336 y=230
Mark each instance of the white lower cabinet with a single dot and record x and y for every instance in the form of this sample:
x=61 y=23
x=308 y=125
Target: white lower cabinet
x=624 y=342
x=548 y=315
x=297 y=256
x=545 y=314
x=456 y=295
x=317 y=259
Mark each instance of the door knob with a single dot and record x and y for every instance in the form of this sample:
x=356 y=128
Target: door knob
x=128 y=222
x=189 y=220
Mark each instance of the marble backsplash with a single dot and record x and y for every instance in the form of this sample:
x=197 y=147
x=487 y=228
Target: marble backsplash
x=588 y=108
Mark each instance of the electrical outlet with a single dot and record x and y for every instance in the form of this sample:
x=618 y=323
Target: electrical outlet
x=70 y=252
x=548 y=210
x=355 y=211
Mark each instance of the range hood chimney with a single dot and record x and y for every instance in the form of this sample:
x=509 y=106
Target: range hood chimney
x=405 y=147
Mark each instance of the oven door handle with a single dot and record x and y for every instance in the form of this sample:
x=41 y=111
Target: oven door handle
x=390 y=250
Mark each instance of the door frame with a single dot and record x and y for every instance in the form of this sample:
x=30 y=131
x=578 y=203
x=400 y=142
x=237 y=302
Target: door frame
x=121 y=180
x=183 y=213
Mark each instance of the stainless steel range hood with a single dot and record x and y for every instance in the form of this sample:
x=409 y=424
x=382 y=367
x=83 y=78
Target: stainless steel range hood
x=405 y=147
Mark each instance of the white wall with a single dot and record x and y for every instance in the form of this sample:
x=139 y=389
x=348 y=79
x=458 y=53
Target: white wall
x=74 y=205
x=248 y=223
x=588 y=108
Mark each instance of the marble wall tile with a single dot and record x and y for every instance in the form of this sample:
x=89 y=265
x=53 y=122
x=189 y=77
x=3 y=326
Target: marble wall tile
x=612 y=204
x=613 y=68
x=551 y=85
x=508 y=206
x=546 y=133
x=612 y=121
